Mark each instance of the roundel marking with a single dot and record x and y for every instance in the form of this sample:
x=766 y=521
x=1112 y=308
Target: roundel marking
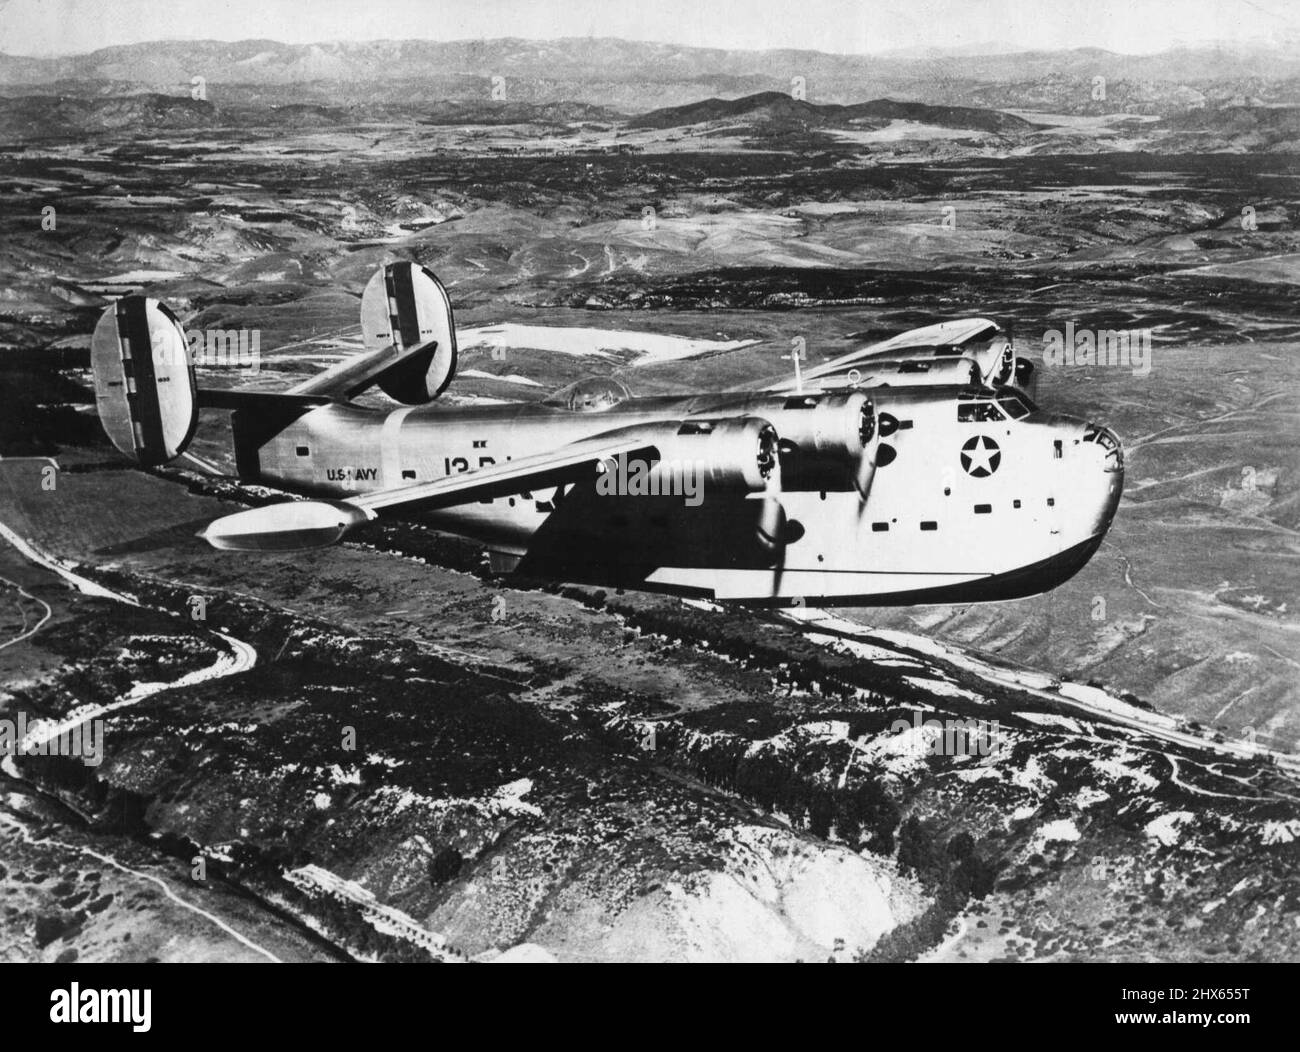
x=980 y=456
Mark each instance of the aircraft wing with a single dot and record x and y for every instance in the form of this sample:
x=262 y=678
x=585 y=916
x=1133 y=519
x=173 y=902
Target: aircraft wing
x=566 y=464
x=942 y=334
x=315 y=523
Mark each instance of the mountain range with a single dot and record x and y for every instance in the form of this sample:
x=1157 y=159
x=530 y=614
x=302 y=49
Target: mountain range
x=636 y=76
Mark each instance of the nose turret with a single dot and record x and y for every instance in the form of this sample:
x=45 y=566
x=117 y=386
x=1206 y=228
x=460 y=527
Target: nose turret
x=1102 y=446
x=1113 y=460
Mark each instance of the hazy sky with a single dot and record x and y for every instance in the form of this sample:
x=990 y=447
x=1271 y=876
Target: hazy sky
x=44 y=27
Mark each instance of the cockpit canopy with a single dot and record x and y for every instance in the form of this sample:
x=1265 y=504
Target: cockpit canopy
x=591 y=394
x=1016 y=405
x=985 y=406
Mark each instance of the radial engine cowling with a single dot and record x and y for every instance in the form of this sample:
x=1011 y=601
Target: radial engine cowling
x=827 y=441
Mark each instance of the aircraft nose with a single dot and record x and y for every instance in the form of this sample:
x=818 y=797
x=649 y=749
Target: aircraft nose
x=1107 y=443
x=1113 y=458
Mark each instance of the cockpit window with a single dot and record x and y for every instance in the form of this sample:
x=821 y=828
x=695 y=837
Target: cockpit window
x=1013 y=406
x=977 y=412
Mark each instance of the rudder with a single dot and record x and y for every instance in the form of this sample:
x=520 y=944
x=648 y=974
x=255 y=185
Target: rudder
x=145 y=390
x=404 y=306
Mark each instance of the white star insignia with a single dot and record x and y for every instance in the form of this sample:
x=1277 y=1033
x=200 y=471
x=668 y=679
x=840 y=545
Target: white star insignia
x=980 y=457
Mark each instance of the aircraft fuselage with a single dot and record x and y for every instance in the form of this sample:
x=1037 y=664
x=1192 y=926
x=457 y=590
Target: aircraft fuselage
x=979 y=498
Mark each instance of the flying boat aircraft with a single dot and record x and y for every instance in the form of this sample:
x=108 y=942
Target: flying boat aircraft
x=917 y=470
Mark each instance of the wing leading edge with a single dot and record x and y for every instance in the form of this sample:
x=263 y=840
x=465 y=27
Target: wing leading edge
x=316 y=523
x=956 y=333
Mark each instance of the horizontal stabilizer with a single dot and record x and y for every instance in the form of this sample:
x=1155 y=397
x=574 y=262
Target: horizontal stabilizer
x=264 y=401
x=350 y=377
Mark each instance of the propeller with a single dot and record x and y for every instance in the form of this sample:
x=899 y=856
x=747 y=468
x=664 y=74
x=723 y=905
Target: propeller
x=774 y=532
x=874 y=455
x=774 y=529
x=773 y=524
x=865 y=475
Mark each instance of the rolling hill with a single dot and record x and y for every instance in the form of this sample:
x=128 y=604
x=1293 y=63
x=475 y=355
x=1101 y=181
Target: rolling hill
x=778 y=107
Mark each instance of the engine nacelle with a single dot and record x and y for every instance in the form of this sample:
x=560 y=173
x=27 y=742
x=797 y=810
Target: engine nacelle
x=144 y=380
x=827 y=439
x=1026 y=378
x=735 y=454
x=728 y=453
x=405 y=305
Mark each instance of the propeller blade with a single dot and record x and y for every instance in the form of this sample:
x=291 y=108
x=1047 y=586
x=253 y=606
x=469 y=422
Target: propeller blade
x=866 y=474
x=772 y=523
x=868 y=461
